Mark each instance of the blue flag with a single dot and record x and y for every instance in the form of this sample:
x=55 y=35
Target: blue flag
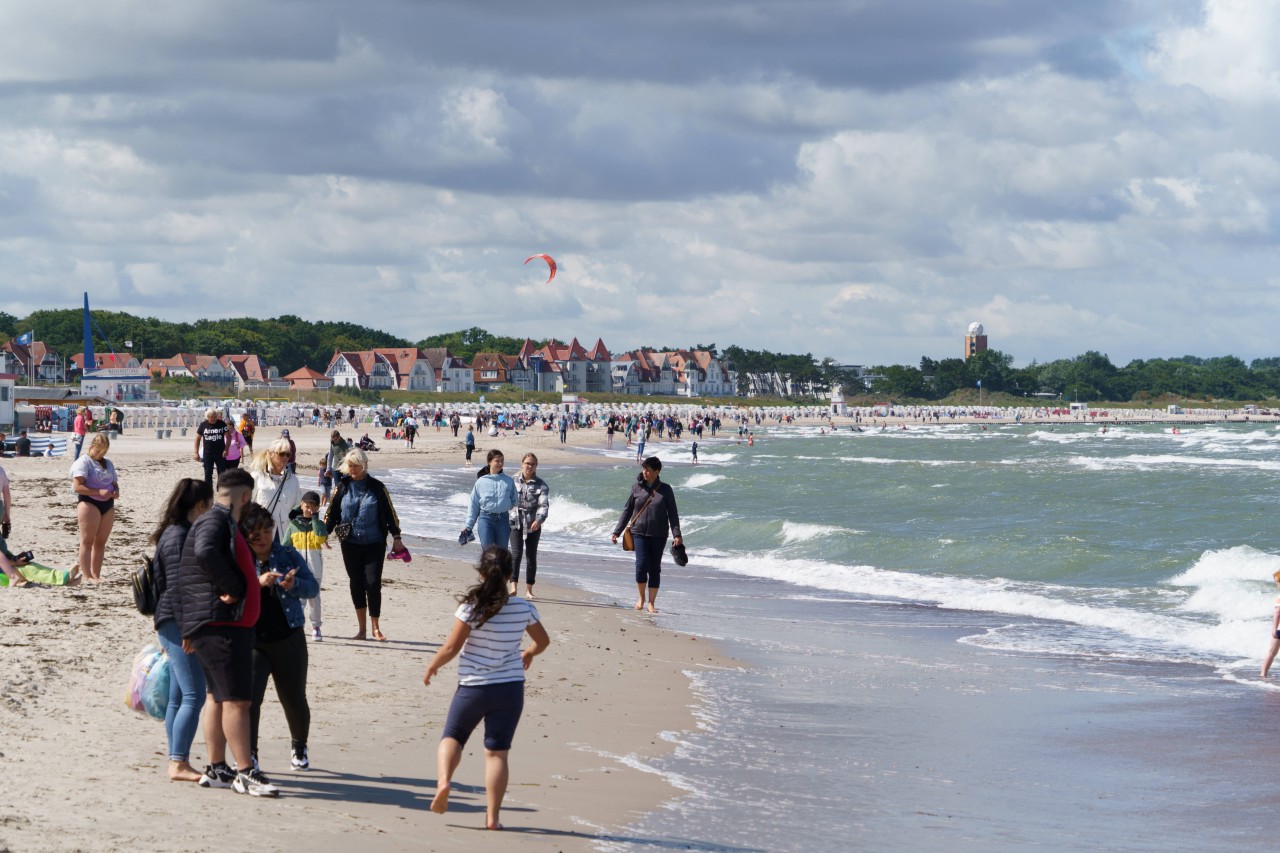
x=23 y=340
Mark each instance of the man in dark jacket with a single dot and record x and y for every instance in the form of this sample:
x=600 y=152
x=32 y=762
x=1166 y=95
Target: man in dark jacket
x=218 y=609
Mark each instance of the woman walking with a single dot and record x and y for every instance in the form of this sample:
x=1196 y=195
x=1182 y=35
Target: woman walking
x=361 y=516
x=190 y=499
x=93 y=479
x=527 y=518
x=650 y=511
x=275 y=486
x=280 y=647
x=487 y=631
x=492 y=498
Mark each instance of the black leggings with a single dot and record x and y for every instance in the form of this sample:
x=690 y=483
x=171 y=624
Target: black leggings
x=519 y=540
x=285 y=662
x=364 y=569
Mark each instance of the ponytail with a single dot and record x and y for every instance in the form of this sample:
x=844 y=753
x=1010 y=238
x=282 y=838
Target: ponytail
x=489 y=595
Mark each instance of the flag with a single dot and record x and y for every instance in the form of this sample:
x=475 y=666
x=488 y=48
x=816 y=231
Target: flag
x=24 y=340
x=128 y=344
x=979 y=383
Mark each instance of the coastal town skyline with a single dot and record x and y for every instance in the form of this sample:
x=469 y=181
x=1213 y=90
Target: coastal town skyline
x=853 y=182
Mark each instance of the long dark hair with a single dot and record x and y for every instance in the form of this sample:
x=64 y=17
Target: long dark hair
x=490 y=595
x=187 y=495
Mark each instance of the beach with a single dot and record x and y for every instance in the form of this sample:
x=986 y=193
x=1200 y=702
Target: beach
x=83 y=772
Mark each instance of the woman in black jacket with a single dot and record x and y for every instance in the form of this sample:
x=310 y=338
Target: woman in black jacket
x=650 y=512
x=188 y=502
x=361 y=516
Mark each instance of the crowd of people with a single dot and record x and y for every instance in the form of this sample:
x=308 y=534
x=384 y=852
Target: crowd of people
x=239 y=559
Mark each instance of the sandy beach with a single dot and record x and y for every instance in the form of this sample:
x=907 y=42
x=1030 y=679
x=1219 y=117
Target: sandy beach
x=83 y=772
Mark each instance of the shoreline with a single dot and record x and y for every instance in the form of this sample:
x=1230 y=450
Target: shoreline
x=597 y=702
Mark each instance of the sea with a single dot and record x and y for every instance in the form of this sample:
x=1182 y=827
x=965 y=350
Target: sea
x=970 y=636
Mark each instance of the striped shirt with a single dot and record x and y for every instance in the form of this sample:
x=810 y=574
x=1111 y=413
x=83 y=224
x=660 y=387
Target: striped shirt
x=491 y=654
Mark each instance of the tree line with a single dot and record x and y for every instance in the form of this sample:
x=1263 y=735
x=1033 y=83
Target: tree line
x=289 y=342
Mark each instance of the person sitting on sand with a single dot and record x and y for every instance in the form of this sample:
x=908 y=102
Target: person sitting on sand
x=487 y=630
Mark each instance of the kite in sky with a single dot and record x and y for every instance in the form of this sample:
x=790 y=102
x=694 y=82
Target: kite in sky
x=551 y=262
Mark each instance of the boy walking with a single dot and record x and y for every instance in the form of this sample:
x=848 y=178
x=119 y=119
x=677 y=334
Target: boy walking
x=308 y=536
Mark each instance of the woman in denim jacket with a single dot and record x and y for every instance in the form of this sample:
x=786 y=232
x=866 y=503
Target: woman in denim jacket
x=280 y=650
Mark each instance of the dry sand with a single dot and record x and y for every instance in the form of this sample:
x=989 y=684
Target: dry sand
x=82 y=772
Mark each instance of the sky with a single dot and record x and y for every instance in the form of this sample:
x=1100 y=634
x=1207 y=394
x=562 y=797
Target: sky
x=857 y=180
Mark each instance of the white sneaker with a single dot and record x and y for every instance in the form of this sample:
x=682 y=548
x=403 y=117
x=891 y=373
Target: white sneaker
x=315 y=635
x=300 y=760
x=254 y=784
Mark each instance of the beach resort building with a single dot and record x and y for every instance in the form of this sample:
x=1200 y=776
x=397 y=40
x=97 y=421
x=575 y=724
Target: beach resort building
x=306 y=379
x=368 y=370
x=686 y=373
x=202 y=368
x=489 y=370
x=105 y=361
x=250 y=371
x=32 y=361
x=410 y=369
x=452 y=374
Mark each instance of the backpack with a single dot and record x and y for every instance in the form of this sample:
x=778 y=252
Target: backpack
x=143 y=581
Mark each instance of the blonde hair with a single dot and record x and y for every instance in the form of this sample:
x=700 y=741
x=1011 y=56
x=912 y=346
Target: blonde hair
x=262 y=459
x=355 y=455
x=100 y=440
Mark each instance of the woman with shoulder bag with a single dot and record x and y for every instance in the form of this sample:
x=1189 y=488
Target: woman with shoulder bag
x=275 y=486
x=649 y=513
x=361 y=516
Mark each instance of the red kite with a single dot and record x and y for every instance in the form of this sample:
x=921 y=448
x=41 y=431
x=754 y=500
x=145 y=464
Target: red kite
x=551 y=262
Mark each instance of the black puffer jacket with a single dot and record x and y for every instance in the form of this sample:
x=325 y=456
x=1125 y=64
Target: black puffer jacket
x=209 y=570
x=656 y=517
x=168 y=562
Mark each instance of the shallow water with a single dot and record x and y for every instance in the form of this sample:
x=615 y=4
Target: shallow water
x=817 y=557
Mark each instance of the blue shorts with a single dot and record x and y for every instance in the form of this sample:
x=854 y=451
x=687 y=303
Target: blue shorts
x=499 y=705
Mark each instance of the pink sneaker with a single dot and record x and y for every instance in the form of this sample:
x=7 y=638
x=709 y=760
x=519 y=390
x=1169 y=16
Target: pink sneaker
x=400 y=555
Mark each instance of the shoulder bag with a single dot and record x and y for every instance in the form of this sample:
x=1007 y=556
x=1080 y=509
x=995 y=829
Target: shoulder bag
x=628 y=543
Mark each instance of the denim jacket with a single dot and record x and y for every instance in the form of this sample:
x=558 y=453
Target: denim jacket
x=283 y=558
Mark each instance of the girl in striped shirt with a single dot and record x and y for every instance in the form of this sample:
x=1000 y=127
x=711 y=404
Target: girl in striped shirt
x=487 y=632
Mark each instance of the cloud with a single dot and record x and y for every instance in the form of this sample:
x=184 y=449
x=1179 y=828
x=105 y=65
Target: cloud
x=854 y=180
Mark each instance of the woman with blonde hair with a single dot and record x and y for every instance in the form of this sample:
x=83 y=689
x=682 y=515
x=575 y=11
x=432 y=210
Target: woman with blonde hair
x=93 y=479
x=275 y=486
x=361 y=515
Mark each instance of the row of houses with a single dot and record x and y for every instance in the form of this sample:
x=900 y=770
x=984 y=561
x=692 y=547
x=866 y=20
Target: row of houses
x=556 y=367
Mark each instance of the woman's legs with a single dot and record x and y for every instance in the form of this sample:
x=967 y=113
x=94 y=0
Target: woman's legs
x=263 y=661
x=516 y=539
x=448 y=755
x=1271 y=656
x=290 y=676
x=351 y=561
x=531 y=556
x=496 y=773
x=648 y=569
x=186 y=697
x=375 y=558
x=100 y=541
x=88 y=518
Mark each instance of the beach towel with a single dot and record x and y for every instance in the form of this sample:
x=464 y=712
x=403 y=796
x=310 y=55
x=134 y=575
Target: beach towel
x=148 y=690
x=39 y=574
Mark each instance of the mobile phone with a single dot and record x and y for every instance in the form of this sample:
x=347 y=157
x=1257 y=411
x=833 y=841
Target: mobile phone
x=27 y=555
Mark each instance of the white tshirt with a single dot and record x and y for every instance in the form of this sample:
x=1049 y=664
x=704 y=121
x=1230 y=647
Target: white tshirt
x=491 y=654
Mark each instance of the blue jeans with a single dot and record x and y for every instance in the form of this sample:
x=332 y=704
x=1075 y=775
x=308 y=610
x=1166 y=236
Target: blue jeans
x=186 y=692
x=649 y=559
x=493 y=528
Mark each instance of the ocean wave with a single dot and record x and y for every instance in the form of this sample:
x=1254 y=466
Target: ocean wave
x=697 y=481
x=1132 y=631
x=1140 y=462
x=795 y=531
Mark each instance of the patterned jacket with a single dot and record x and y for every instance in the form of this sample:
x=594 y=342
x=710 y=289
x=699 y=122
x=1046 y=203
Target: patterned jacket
x=533 y=499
